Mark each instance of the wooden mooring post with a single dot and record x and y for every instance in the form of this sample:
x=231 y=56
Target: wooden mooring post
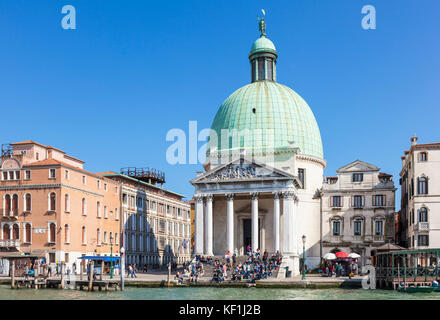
x=62 y=275
x=12 y=275
x=91 y=275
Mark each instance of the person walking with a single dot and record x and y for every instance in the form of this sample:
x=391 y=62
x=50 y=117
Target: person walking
x=133 y=271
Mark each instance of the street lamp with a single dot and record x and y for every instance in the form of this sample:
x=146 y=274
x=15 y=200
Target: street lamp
x=304 y=257
x=111 y=255
x=122 y=267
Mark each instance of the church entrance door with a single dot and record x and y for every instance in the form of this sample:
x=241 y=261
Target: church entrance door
x=247 y=234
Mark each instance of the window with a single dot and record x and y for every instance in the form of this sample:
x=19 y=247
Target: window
x=140 y=203
x=28 y=233
x=336 y=201
x=84 y=181
x=83 y=235
x=105 y=186
x=116 y=190
x=17 y=175
x=357 y=227
x=423 y=240
x=379 y=200
x=37 y=156
x=379 y=227
x=301 y=176
x=358 y=177
x=52 y=173
x=66 y=174
x=336 y=228
x=5 y=175
x=111 y=237
x=15 y=205
x=66 y=257
x=98 y=236
x=52 y=201
x=98 y=209
x=7 y=210
x=84 y=207
x=358 y=201
x=66 y=203
x=11 y=175
x=116 y=214
x=66 y=233
x=27 y=174
x=15 y=232
x=423 y=156
x=52 y=232
x=422 y=185
x=116 y=238
x=423 y=215
x=6 y=232
x=124 y=199
x=98 y=184
x=27 y=202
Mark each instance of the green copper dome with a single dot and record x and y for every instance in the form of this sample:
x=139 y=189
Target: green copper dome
x=279 y=112
x=263 y=44
x=265 y=116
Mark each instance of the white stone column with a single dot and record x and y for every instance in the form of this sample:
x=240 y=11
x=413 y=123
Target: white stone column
x=276 y=221
x=199 y=226
x=209 y=234
x=230 y=223
x=254 y=222
x=290 y=236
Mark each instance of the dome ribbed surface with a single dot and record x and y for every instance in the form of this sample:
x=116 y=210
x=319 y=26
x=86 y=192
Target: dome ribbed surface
x=279 y=112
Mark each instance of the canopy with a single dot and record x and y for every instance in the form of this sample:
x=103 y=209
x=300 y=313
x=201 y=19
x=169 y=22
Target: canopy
x=107 y=259
x=341 y=254
x=329 y=256
x=354 y=255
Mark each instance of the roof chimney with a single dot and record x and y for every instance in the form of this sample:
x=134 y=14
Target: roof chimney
x=414 y=140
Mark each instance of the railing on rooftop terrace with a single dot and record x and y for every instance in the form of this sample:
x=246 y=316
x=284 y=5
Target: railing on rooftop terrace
x=143 y=173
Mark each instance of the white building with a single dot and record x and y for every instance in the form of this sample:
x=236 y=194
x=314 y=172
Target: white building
x=420 y=195
x=156 y=222
x=357 y=210
x=264 y=170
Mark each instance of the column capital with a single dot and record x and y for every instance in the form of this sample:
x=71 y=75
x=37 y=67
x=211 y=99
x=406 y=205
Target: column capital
x=199 y=198
x=289 y=195
x=230 y=196
x=276 y=195
x=209 y=197
x=254 y=195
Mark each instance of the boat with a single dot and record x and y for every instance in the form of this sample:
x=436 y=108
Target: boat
x=421 y=289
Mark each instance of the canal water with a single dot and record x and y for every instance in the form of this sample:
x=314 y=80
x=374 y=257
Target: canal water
x=195 y=293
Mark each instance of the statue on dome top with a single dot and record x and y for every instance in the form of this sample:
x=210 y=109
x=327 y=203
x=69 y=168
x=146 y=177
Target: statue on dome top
x=262 y=24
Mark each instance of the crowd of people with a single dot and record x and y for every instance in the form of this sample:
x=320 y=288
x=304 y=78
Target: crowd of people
x=256 y=267
x=338 y=269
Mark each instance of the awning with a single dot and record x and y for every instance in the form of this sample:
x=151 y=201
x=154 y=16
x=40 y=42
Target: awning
x=107 y=259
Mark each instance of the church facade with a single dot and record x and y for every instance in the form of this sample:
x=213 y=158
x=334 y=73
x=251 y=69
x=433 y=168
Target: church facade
x=263 y=170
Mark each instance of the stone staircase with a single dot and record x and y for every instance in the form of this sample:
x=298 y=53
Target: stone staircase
x=209 y=268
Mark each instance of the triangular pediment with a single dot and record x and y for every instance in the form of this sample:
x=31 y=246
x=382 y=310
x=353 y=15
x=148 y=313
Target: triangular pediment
x=358 y=166
x=242 y=169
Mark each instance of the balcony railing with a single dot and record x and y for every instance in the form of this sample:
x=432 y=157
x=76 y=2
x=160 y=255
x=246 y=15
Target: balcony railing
x=421 y=226
x=9 y=243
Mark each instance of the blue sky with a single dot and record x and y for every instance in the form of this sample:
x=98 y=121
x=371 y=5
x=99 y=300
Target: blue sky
x=109 y=91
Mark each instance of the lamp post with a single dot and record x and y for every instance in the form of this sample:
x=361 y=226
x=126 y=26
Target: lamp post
x=111 y=256
x=122 y=267
x=304 y=258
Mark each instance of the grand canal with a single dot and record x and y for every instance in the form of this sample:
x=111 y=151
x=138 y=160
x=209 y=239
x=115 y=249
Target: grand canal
x=194 y=293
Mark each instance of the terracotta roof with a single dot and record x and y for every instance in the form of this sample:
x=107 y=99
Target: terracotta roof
x=105 y=172
x=49 y=162
x=383 y=174
x=425 y=145
x=44 y=163
x=27 y=142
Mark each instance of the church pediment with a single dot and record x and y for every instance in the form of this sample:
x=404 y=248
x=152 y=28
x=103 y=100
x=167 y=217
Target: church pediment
x=242 y=169
x=358 y=166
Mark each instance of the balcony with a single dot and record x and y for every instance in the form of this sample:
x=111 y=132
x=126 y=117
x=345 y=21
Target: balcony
x=421 y=226
x=9 y=243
